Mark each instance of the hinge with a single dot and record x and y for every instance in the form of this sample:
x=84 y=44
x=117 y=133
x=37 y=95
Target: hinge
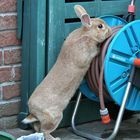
x=20 y=4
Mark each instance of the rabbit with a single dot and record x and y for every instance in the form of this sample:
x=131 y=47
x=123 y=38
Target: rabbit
x=51 y=97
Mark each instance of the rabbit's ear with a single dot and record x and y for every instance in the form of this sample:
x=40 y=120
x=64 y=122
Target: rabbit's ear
x=82 y=14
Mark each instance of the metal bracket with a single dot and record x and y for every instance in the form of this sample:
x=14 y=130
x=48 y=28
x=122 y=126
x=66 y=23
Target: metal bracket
x=117 y=124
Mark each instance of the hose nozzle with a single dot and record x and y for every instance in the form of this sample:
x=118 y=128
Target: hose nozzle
x=105 y=116
x=131 y=7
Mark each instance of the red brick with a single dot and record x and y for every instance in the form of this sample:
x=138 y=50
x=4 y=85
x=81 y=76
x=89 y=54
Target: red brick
x=9 y=74
x=8 y=22
x=11 y=91
x=17 y=74
x=5 y=74
x=12 y=56
x=8 y=39
x=9 y=122
x=8 y=5
x=9 y=108
x=0 y=57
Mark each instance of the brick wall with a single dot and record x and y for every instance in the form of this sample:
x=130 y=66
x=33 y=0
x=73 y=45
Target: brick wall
x=10 y=65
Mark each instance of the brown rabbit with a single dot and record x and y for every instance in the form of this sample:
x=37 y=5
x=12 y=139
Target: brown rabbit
x=51 y=97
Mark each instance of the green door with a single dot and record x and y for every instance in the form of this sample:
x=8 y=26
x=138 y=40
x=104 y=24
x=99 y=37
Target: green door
x=32 y=31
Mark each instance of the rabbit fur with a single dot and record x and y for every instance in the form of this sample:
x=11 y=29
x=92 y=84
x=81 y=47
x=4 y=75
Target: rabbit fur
x=53 y=94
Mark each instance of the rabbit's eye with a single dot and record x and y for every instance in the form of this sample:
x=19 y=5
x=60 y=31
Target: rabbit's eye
x=100 y=26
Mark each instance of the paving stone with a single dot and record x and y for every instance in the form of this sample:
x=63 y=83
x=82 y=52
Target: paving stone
x=129 y=130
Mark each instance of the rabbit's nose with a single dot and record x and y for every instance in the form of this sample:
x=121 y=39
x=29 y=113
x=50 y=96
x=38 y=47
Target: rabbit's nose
x=109 y=32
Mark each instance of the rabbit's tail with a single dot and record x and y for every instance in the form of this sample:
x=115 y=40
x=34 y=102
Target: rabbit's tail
x=30 y=119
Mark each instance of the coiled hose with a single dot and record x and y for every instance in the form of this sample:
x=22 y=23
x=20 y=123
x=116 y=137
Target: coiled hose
x=95 y=74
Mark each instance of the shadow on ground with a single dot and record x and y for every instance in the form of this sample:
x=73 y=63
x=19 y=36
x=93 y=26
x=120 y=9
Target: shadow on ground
x=129 y=130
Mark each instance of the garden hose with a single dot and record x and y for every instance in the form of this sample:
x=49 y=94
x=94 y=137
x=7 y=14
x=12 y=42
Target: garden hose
x=95 y=77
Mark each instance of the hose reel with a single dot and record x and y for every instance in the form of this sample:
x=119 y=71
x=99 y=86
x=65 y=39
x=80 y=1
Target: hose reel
x=120 y=71
x=122 y=50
